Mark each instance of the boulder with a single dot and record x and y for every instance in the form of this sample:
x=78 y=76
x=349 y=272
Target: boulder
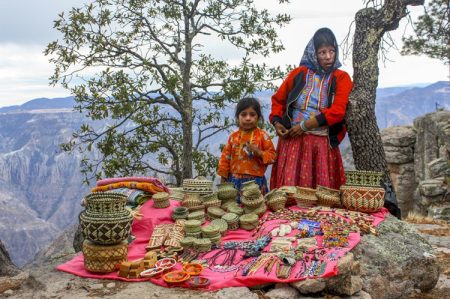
x=7 y=268
x=398 y=155
x=440 y=212
x=438 y=167
x=433 y=187
x=398 y=136
x=396 y=262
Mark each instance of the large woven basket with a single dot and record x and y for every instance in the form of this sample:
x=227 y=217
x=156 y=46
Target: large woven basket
x=106 y=230
x=328 y=197
x=103 y=259
x=363 y=178
x=105 y=202
x=362 y=199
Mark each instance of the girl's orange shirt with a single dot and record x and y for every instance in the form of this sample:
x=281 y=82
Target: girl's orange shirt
x=234 y=160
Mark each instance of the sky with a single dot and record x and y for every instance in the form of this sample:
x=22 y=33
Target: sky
x=26 y=27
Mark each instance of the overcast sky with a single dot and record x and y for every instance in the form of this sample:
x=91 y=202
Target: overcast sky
x=26 y=27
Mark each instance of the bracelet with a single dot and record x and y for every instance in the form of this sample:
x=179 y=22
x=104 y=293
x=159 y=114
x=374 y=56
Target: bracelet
x=303 y=126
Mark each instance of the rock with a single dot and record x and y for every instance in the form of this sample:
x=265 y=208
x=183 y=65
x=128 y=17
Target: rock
x=398 y=155
x=361 y=295
x=397 y=259
x=432 y=187
x=111 y=285
x=440 y=212
x=240 y=292
x=7 y=268
x=345 y=264
x=8 y=293
x=285 y=292
x=13 y=282
x=310 y=285
x=438 y=167
x=97 y=286
x=398 y=136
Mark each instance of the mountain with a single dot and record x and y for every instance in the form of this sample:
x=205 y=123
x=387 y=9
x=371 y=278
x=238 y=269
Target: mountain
x=41 y=186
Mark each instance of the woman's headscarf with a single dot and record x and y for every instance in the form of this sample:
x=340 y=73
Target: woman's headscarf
x=322 y=37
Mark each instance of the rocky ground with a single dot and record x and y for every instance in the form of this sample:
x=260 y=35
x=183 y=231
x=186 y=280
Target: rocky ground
x=45 y=282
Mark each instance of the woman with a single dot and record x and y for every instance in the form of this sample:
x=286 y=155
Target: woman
x=308 y=113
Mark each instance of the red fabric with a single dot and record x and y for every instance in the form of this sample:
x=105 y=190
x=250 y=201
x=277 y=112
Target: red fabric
x=142 y=230
x=307 y=161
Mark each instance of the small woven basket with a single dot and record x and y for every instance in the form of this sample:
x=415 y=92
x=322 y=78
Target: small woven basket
x=305 y=197
x=258 y=211
x=221 y=224
x=212 y=203
x=248 y=221
x=328 y=197
x=161 y=204
x=362 y=199
x=226 y=191
x=252 y=203
x=189 y=203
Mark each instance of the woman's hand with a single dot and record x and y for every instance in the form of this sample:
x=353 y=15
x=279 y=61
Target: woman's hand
x=254 y=149
x=281 y=130
x=296 y=131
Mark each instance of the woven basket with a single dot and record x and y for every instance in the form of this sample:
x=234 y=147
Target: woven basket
x=328 y=197
x=161 y=204
x=252 y=203
x=235 y=209
x=258 y=211
x=248 y=221
x=106 y=231
x=191 y=202
x=305 y=197
x=105 y=202
x=103 y=259
x=226 y=191
x=212 y=203
x=277 y=203
x=232 y=220
x=227 y=203
x=192 y=197
x=363 y=178
x=362 y=199
x=209 y=197
x=215 y=212
x=221 y=224
x=196 y=208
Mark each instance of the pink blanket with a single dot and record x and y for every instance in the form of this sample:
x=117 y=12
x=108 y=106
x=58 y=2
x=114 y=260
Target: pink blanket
x=142 y=229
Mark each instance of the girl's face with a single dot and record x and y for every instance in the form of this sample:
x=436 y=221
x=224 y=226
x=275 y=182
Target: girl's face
x=326 y=56
x=248 y=119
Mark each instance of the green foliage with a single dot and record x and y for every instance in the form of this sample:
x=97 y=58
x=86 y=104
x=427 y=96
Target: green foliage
x=141 y=67
x=432 y=32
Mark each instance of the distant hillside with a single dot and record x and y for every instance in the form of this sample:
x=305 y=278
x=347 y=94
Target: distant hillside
x=41 y=103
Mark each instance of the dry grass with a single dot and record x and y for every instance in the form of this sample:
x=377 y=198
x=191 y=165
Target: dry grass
x=420 y=219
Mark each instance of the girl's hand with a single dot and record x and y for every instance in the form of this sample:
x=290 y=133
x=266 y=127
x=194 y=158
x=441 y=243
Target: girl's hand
x=295 y=131
x=281 y=130
x=254 y=149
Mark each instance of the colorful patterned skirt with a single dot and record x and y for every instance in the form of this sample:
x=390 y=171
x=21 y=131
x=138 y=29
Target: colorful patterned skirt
x=307 y=161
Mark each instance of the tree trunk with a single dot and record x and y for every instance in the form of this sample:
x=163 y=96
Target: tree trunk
x=364 y=134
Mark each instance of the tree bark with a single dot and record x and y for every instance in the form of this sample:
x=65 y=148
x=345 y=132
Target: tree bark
x=370 y=26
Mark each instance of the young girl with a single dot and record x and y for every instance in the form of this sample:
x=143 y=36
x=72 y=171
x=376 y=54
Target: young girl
x=248 y=150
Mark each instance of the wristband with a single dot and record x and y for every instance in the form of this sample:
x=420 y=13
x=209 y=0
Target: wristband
x=303 y=126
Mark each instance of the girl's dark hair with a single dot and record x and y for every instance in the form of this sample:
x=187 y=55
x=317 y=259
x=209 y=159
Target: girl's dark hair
x=324 y=37
x=245 y=103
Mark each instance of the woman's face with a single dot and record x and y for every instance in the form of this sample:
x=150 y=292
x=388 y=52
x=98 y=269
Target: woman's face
x=326 y=56
x=248 y=119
